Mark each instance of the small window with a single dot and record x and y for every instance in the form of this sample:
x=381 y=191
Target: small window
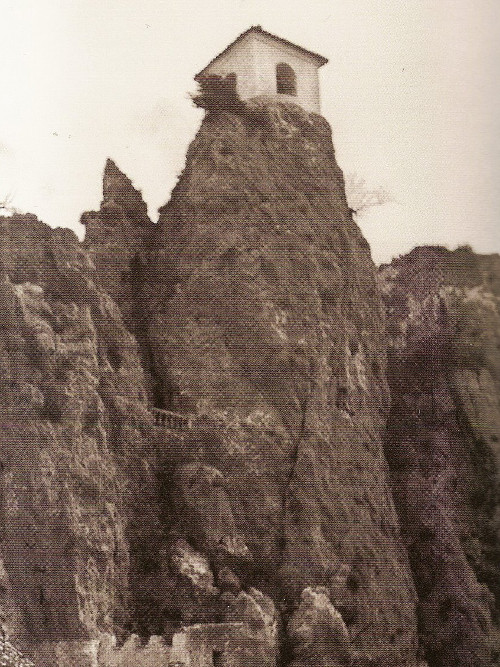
x=114 y=357
x=286 y=81
x=217 y=658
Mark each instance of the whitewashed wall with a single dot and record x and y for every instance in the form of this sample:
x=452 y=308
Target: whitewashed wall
x=254 y=61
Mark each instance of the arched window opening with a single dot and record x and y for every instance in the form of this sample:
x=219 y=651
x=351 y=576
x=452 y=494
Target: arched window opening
x=286 y=81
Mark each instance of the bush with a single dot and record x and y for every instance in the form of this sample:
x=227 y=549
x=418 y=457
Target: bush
x=218 y=93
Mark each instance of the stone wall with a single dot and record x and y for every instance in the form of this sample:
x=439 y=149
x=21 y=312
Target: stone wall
x=200 y=645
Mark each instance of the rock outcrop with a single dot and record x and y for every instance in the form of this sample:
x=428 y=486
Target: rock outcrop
x=195 y=467
x=72 y=397
x=318 y=633
x=263 y=315
x=115 y=237
x=442 y=443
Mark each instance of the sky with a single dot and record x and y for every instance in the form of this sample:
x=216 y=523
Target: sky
x=410 y=91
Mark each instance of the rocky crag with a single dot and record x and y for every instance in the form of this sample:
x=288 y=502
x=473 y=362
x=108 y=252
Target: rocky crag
x=442 y=443
x=262 y=317
x=196 y=468
x=74 y=444
x=119 y=230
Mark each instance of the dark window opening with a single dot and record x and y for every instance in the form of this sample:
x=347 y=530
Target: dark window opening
x=286 y=81
x=114 y=357
x=217 y=658
x=159 y=395
x=165 y=395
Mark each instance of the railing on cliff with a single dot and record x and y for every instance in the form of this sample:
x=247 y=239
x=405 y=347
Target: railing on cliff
x=173 y=420
x=183 y=422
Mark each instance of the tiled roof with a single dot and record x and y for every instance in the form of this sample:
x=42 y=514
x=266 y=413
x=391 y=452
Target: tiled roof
x=258 y=29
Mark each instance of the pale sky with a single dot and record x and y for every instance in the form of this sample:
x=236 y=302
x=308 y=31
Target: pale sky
x=410 y=91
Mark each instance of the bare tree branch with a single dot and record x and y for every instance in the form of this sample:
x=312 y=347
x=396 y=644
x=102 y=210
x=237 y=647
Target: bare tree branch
x=6 y=205
x=360 y=196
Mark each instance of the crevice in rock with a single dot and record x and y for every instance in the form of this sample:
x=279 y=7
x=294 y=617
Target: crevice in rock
x=288 y=606
x=443 y=381
x=484 y=498
x=161 y=393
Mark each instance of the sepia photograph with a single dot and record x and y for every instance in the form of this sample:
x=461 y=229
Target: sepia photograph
x=249 y=333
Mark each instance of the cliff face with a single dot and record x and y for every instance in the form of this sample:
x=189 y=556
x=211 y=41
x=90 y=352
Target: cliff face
x=71 y=388
x=257 y=526
x=263 y=316
x=115 y=237
x=442 y=443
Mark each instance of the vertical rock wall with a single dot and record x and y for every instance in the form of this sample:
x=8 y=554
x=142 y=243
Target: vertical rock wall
x=263 y=316
x=268 y=529
x=442 y=443
x=72 y=394
x=115 y=237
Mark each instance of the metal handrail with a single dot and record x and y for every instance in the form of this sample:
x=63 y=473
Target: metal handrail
x=170 y=419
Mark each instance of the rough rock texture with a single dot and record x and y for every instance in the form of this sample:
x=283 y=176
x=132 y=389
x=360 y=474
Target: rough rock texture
x=260 y=531
x=71 y=394
x=442 y=443
x=263 y=315
x=11 y=657
x=318 y=632
x=87 y=555
x=115 y=237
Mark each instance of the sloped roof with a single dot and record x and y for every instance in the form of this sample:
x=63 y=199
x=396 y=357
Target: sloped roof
x=258 y=29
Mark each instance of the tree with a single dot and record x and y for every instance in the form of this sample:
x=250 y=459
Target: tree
x=360 y=196
x=218 y=93
x=6 y=206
